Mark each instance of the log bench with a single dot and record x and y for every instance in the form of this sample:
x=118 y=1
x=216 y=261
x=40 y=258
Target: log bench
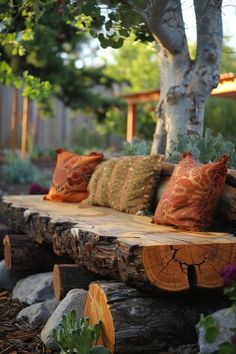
x=127 y=249
x=122 y=247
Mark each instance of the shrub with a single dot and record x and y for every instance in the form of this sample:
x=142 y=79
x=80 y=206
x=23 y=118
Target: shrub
x=17 y=170
x=204 y=149
x=136 y=147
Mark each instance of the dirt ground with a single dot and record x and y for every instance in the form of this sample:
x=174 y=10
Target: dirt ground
x=15 y=336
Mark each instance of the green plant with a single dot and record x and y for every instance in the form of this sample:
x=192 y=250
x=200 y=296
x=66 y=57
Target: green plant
x=204 y=149
x=136 y=147
x=211 y=326
x=75 y=336
x=18 y=170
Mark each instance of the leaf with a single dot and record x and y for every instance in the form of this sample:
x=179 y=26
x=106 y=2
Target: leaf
x=226 y=348
x=211 y=334
x=97 y=331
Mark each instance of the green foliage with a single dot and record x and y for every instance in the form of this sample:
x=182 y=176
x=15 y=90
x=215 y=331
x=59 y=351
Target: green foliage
x=75 y=336
x=204 y=149
x=134 y=68
x=230 y=291
x=136 y=147
x=227 y=348
x=17 y=170
x=40 y=53
x=112 y=29
x=211 y=328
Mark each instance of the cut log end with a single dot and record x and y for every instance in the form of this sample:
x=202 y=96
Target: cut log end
x=71 y=276
x=7 y=252
x=96 y=309
x=176 y=268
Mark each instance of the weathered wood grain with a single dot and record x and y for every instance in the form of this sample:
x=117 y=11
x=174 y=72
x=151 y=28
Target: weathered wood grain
x=71 y=276
x=140 y=322
x=124 y=247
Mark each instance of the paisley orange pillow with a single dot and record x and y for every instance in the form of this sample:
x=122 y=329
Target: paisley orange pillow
x=190 y=198
x=71 y=176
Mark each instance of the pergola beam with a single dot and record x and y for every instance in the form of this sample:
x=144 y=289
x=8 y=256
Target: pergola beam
x=225 y=88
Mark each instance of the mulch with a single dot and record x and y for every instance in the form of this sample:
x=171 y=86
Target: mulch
x=16 y=337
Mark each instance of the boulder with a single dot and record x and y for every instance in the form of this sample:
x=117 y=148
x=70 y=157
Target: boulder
x=34 y=288
x=38 y=314
x=8 y=279
x=74 y=300
x=225 y=320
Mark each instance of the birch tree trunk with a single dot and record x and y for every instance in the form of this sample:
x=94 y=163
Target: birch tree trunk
x=185 y=84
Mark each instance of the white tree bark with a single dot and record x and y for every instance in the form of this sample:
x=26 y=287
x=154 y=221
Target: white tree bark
x=185 y=84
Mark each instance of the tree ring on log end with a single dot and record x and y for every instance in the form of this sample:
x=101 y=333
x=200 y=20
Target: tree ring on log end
x=167 y=267
x=97 y=308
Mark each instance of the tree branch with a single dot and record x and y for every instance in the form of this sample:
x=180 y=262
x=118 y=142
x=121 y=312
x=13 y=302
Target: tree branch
x=209 y=41
x=165 y=20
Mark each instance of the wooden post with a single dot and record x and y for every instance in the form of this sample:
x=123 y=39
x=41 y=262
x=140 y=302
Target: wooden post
x=14 y=118
x=131 y=121
x=24 y=127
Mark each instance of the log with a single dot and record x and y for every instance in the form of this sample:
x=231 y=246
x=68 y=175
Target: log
x=227 y=205
x=22 y=254
x=71 y=276
x=139 y=322
x=127 y=248
x=3 y=231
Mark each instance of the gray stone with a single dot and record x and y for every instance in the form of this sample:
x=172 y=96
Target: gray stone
x=226 y=320
x=35 y=288
x=74 y=300
x=185 y=349
x=8 y=279
x=38 y=314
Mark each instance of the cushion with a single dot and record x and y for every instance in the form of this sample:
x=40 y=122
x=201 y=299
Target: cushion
x=190 y=198
x=126 y=184
x=71 y=176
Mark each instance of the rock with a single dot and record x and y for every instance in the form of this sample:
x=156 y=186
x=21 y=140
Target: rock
x=35 y=288
x=8 y=279
x=74 y=300
x=225 y=320
x=38 y=314
x=185 y=349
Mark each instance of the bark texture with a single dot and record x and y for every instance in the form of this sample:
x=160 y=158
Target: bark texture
x=23 y=254
x=71 y=276
x=140 y=322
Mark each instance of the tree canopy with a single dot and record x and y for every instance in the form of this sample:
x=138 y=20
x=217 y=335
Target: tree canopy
x=186 y=82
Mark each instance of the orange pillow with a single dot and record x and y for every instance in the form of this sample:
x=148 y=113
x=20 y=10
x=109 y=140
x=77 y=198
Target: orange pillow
x=71 y=176
x=190 y=198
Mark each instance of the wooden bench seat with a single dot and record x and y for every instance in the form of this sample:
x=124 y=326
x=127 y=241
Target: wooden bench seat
x=127 y=248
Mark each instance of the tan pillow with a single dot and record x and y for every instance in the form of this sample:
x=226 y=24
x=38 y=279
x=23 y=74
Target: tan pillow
x=126 y=184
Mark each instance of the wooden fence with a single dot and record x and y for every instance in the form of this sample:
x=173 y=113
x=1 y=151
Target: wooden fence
x=60 y=129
